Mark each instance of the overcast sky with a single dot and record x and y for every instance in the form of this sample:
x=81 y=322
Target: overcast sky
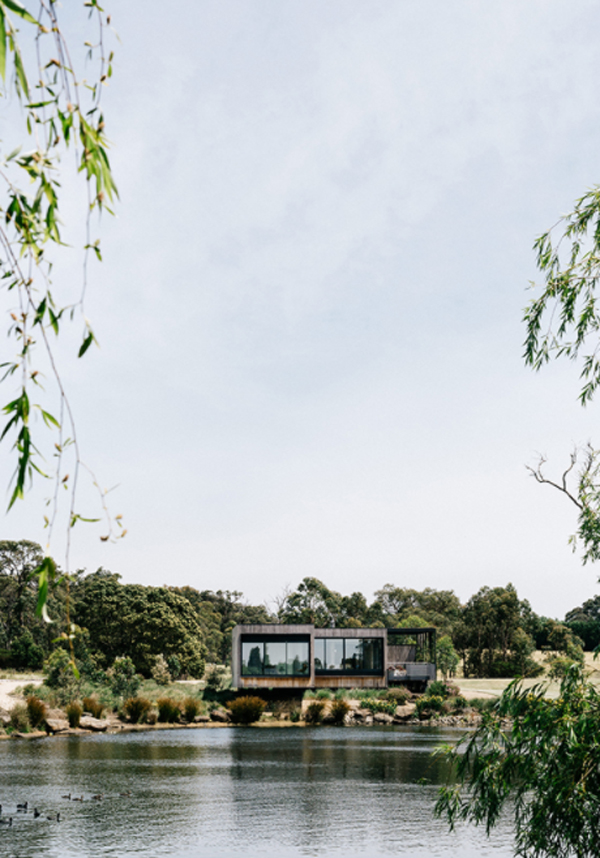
x=310 y=306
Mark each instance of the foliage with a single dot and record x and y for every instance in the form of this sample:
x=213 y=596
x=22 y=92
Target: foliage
x=339 y=710
x=380 y=705
x=314 y=712
x=492 y=636
x=439 y=608
x=438 y=689
x=139 y=621
x=446 y=656
x=137 y=708
x=399 y=695
x=160 y=671
x=295 y=715
x=324 y=694
x=246 y=710
x=19 y=718
x=584 y=622
x=544 y=768
x=168 y=710
x=459 y=703
x=93 y=706
x=25 y=653
x=216 y=678
x=191 y=708
x=57 y=669
x=124 y=682
x=429 y=706
x=36 y=710
x=74 y=712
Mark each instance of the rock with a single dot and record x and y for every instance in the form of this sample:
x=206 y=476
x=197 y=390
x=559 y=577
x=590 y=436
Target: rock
x=382 y=718
x=221 y=715
x=56 y=713
x=95 y=724
x=201 y=719
x=362 y=714
x=405 y=712
x=57 y=725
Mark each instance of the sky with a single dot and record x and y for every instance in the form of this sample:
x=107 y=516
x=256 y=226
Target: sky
x=310 y=304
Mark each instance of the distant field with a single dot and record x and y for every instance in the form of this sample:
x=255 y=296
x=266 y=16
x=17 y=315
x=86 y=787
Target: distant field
x=471 y=688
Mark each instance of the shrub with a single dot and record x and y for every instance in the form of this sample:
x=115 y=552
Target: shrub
x=19 y=718
x=246 y=710
x=309 y=695
x=324 y=694
x=295 y=715
x=168 y=710
x=36 y=710
x=399 y=695
x=429 y=706
x=374 y=705
x=339 y=710
x=137 y=708
x=191 y=708
x=93 y=706
x=160 y=672
x=314 y=712
x=459 y=703
x=152 y=716
x=74 y=712
x=438 y=688
x=174 y=666
x=124 y=682
x=341 y=694
x=216 y=678
x=58 y=670
x=483 y=704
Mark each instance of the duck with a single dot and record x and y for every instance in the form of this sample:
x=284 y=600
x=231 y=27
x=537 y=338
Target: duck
x=68 y=797
x=55 y=816
x=22 y=807
x=77 y=798
x=6 y=821
x=36 y=813
x=125 y=794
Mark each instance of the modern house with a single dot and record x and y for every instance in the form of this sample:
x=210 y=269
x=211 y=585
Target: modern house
x=302 y=656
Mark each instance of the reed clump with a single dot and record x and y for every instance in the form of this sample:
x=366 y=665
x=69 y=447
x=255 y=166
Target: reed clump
x=246 y=710
x=36 y=711
x=93 y=706
x=137 y=708
x=74 y=712
x=168 y=710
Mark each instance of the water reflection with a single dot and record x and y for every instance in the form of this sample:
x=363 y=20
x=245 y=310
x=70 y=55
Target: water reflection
x=323 y=791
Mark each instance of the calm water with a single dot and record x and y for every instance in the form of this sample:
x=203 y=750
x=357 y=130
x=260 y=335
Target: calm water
x=232 y=792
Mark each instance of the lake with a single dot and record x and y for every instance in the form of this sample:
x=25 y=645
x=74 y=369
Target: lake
x=325 y=791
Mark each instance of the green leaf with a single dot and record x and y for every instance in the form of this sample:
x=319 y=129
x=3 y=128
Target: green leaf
x=19 y=10
x=2 y=44
x=20 y=71
x=85 y=345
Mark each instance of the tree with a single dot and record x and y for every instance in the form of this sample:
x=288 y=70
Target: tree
x=58 y=114
x=492 y=636
x=439 y=608
x=312 y=602
x=542 y=766
x=564 y=321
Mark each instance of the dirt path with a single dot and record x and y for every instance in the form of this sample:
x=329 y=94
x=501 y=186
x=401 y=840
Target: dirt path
x=7 y=686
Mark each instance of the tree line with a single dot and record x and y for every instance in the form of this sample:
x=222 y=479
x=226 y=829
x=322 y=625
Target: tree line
x=494 y=633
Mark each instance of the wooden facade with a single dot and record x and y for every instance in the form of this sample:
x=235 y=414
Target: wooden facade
x=304 y=657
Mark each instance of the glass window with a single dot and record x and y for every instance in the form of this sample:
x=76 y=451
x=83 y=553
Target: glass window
x=372 y=653
x=275 y=660
x=252 y=658
x=334 y=653
x=320 y=663
x=353 y=659
x=297 y=658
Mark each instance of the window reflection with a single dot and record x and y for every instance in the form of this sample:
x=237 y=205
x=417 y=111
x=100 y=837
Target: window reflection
x=275 y=658
x=355 y=655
